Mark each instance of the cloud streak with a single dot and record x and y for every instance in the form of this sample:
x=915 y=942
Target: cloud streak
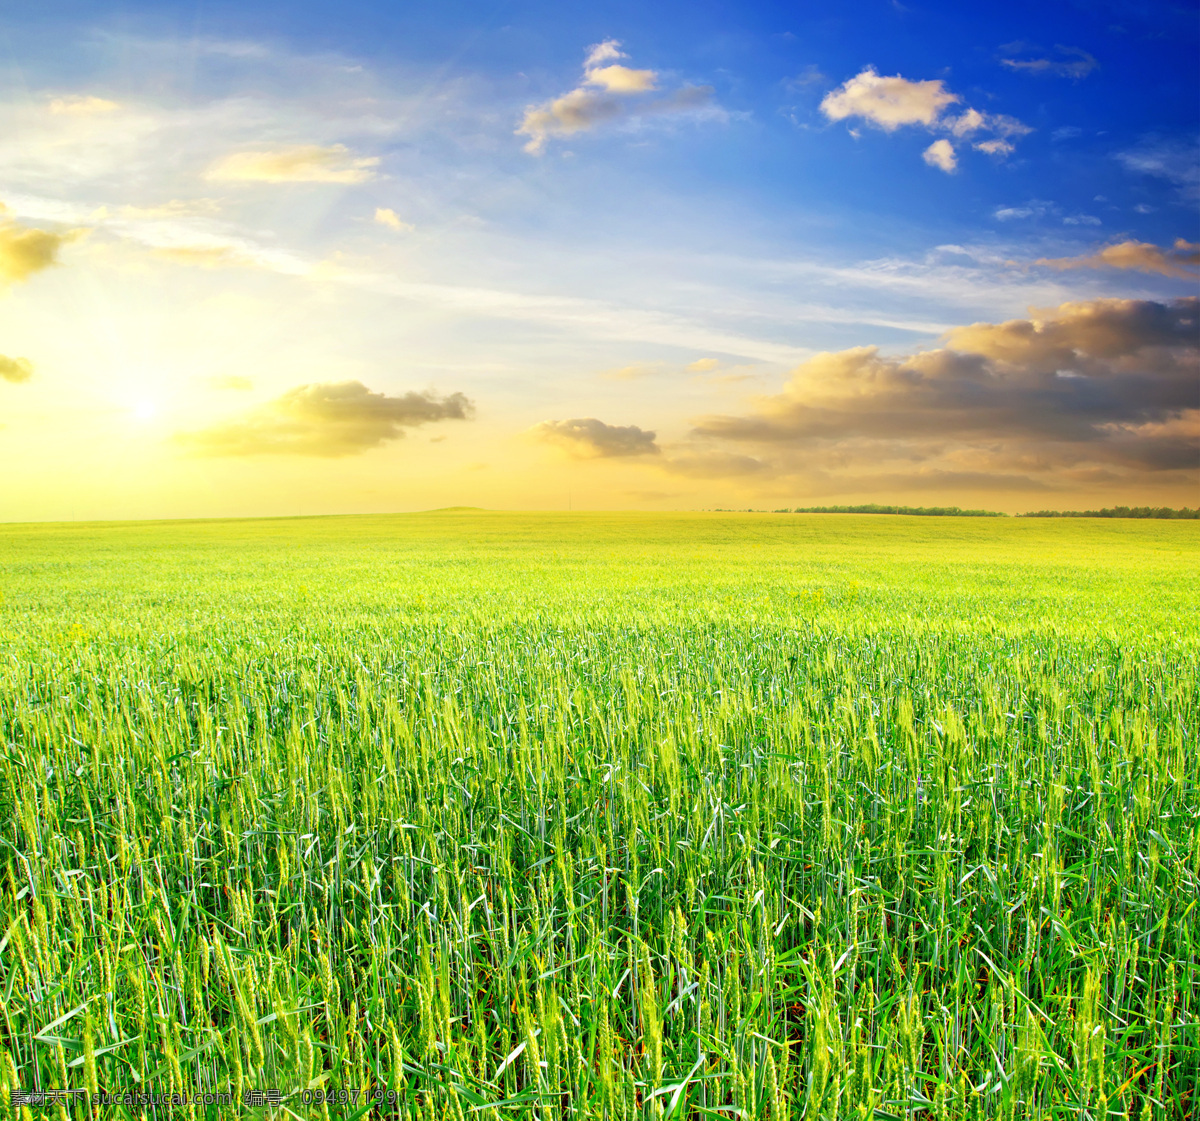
x=1174 y=160
x=1181 y=261
x=81 y=105
x=327 y=420
x=302 y=163
x=1069 y=62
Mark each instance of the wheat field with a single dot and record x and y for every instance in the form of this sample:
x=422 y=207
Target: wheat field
x=470 y=814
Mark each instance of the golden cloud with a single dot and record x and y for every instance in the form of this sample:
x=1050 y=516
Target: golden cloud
x=304 y=163
x=1098 y=383
x=24 y=251
x=589 y=438
x=15 y=369
x=326 y=419
x=621 y=79
x=1182 y=260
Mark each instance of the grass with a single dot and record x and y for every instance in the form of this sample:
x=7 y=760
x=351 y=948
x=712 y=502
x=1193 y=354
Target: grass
x=609 y=816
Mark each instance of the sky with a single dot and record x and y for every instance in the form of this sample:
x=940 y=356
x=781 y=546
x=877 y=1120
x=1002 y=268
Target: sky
x=310 y=258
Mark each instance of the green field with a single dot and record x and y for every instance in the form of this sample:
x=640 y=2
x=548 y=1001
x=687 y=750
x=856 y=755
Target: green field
x=613 y=816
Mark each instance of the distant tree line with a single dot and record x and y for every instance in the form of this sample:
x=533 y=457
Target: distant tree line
x=958 y=512
x=1118 y=512
x=875 y=508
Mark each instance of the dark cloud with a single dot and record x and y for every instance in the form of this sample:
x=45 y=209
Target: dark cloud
x=15 y=369
x=932 y=480
x=1105 y=382
x=328 y=419
x=589 y=438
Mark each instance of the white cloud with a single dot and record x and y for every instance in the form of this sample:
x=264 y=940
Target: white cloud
x=1034 y=208
x=892 y=102
x=995 y=147
x=603 y=52
x=971 y=121
x=888 y=102
x=941 y=154
x=1003 y=126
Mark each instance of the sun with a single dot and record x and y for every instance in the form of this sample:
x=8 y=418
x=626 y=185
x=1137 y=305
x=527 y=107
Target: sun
x=144 y=410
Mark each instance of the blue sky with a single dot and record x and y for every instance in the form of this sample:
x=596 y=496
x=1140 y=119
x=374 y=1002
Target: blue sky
x=285 y=240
